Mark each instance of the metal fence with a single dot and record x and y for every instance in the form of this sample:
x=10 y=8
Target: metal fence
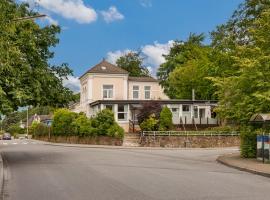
x=189 y=133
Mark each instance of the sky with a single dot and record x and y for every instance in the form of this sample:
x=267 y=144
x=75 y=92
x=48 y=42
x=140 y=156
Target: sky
x=97 y=29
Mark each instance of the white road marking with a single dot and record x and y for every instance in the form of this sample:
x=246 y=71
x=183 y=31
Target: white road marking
x=14 y=143
x=5 y=143
x=25 y=143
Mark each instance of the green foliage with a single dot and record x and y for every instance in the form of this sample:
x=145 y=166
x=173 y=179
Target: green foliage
x=187 y=67
x=133 y=63
x=149 y=124
x=15 y=129
x=243 y=89
x=116 y=131
x=248 y=143
x=26 y=77
x=63 y=122
x=18 y=116
x=82 y=125
x=40 y=129
x=67 y=123
x=165 y=120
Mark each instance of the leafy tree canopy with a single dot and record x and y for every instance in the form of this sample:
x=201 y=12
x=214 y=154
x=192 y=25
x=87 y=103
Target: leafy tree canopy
x=187 y=66
x=26 y=77
x=133 y=63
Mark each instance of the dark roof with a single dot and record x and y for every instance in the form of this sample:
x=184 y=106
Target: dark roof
x=142 y=79
x=107 y=68
x=167 y=101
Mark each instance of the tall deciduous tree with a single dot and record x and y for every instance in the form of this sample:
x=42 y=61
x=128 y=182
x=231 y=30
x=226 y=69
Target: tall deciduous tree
x=187 y=66
x=26 y=77
x=244 y=43
x=133 y=63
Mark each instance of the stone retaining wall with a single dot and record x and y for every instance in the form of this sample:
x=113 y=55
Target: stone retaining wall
x=98 y=140
x=190 y=141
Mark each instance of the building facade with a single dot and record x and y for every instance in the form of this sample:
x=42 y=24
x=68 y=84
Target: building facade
x=108 y=86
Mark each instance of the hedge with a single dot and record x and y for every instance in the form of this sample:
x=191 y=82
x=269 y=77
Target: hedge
x=248 y=143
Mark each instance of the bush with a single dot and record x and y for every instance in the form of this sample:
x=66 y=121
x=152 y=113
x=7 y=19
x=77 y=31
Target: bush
x=63 y=122
x=150 y=124
x=165 y=120
x=149 y=108
x=82 y=125
x=248 y=143
x=41 y=130
x=116 y=131
x=15 y=129
x=103 y=121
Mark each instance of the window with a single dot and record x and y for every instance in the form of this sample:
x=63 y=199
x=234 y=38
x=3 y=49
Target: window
x=107 y=91
x=174 y=109
x=109 y=106
x=122 y=112
x=185 y=108
x=135 y=91
x=196 y=112
x=147 y=94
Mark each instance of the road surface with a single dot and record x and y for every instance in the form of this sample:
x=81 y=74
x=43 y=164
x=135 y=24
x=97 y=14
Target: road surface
x=35 y=171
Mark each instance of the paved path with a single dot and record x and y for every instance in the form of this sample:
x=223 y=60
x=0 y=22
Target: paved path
x=35 y=171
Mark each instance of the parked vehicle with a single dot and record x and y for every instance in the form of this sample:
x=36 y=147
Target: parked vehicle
x=6 y=136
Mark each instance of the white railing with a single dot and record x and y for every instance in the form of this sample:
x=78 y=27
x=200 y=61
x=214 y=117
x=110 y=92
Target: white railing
x=189 y=133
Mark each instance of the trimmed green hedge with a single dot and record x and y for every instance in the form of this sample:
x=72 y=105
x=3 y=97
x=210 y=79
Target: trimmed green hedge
x=248 y=143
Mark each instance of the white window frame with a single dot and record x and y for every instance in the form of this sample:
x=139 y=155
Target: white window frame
x=107 y=91
x=147 y=91
x=124 y=112
x=137 y=90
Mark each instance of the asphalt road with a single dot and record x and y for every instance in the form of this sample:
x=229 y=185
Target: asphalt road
x=34 y=171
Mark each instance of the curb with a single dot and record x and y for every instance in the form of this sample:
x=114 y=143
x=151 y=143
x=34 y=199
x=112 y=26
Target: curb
x=126 y=147
x=223 y=161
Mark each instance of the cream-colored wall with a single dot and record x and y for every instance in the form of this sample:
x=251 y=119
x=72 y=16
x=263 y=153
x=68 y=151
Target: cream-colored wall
x=119 y=83
x=156 y=90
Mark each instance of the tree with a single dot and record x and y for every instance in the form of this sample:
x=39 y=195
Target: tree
x=245 y=89
x=133 y=63
x=165 y=120
x=26 y=77
x=187 y=67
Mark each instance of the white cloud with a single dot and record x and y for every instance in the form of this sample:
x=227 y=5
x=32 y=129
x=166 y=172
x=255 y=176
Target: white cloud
x=112 y=14
x=70 y=9
x=73 y=83
x=153 y=54
x=146 y=3
x=112 y=56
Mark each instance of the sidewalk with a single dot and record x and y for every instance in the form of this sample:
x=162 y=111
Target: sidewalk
x=249 y=165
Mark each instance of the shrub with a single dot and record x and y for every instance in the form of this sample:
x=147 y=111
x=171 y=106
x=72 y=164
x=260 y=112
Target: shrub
x=41 y=130
x=82 y=125
x=165 y=120
x=15 y=129
x=116 y=131
x=103 y=121
x=149 y=108
x=150 y=124
x=248 y=143
x=63 y=122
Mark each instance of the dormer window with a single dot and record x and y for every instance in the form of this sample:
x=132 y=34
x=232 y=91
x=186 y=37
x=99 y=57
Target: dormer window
x=103 y=68
x=136 y=92
x=107 y=91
